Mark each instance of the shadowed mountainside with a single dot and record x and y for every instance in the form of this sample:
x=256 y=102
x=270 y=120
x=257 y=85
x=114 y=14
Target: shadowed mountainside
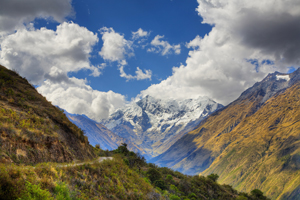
x=99 y=134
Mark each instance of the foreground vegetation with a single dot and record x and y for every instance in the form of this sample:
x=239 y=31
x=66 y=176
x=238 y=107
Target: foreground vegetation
x=127 y=176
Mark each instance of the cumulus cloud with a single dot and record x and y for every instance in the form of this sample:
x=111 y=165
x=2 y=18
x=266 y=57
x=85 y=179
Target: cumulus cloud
x=139 y=34
x=115 y=46
x=14 y=13
x=75 y=96
x=163 y=47
x=218 y=66
x=140 y=75
x=40 y=54
x=45 y=57
x=96 y=71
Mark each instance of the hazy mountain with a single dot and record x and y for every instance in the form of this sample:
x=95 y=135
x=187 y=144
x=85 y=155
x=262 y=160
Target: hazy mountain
x=251 y=143
x=99 y=134
x=155 y=124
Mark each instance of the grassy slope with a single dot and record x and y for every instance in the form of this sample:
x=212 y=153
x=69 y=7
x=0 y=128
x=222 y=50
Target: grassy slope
x=32 y=130
x=265 y=149
x=204 y=142
x=110 y=179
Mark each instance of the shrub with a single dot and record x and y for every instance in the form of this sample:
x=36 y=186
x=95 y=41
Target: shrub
x=153 y=175
x=160 y=184
x=257 y=194
x=34 y=192
x=192 y=196
x=62 y=192
x=174 y=197
x=213 y=177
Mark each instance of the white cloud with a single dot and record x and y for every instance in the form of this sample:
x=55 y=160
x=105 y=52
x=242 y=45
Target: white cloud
x=45 y=56
x=97 y=70
x=218 y=65
x=195 y=43
x=140 y=75
x=115 y=46
x=38 y=54
x=75 y=96
x=139 y=34
x=13 y=13
x=163 y=47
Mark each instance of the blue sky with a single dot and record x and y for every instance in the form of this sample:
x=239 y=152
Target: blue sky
x=169 y=18
x=93 y=57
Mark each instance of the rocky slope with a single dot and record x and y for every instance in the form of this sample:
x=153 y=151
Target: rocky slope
x=32 y=130
x=156 y=124
x=99 y=134
x=251 y=143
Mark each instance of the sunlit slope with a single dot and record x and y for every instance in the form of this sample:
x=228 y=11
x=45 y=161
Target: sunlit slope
x=264 y=149
x=196 y=151
x=32 y=130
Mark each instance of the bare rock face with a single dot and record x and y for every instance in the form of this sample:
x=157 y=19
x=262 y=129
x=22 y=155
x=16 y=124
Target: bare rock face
x=32 y=130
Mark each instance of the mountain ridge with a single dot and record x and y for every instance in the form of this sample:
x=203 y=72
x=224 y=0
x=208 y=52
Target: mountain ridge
x=99 y=134
x=155 y=124
x=197 y=150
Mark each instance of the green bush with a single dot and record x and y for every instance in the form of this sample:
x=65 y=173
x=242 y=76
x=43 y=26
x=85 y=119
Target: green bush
x=34 y=192
x=153 y=175
x=160 y=184
x=257 y=194
x=192 y=196
x=213 y=177
x=62 y=192
x=174 y=197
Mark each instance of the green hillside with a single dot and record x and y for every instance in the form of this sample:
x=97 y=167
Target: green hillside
x=126 y=176
x=32 y=130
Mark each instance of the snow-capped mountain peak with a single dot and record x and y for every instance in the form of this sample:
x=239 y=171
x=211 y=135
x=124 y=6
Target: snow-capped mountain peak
x=150 y=120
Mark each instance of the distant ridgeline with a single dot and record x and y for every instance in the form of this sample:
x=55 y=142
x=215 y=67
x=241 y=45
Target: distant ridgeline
x=251 y=143
x=32 y=130
x=99 y=134
x=155 y=124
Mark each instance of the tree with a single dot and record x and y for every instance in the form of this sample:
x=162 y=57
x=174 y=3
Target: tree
x=160 y=184
x=213 y=177
x=123 y=148
x=153 y=175
x=257 y=194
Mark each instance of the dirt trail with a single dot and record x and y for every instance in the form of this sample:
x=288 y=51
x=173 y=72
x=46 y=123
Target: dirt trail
x=100 y=159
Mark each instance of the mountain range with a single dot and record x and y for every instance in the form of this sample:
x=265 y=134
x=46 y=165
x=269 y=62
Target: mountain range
x=251 y=143
x=99 y=134
x=156 y=124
